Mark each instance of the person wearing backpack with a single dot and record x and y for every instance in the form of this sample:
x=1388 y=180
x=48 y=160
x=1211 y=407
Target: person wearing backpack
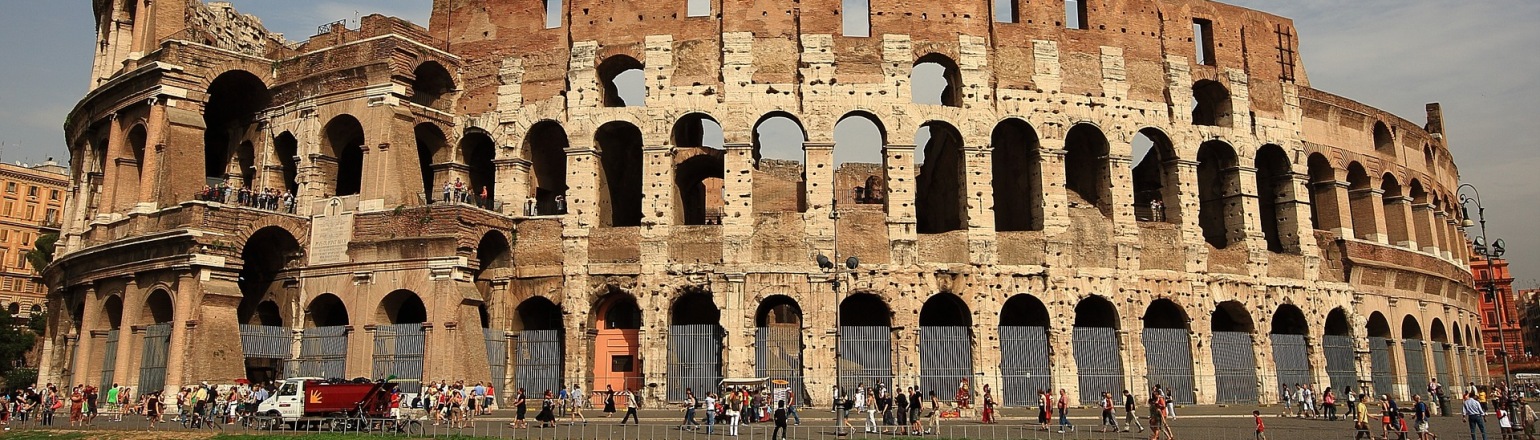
x=780 y=420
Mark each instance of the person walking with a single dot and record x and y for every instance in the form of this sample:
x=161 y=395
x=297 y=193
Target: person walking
x=915 y=401
x=520 y=408
x=1257 y=416
x=562 y=400
x=1329 y=403
x=547 y=416
x=871 y=425
x=791 y=407
x=711 y=412
x=1352 y=399
x=1064 y=411
x=689 y=411
x=609 y=401
x=1044 y=408
x=989 y=406
x=1157 y=414
x=1130 y=420
x=1109 y=422
x=1361 y=419
x=901 y=413
x=735 y=408
x=935 y=414
x=631 y=406
x=1420 y=415
x=1474 y=415
x=1388 y=414
x=780 y=420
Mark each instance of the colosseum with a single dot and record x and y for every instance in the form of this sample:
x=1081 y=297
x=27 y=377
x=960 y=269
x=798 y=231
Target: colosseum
x=1080 y=195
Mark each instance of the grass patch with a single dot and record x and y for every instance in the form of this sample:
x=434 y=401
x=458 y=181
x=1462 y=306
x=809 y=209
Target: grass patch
x=40 y=435
x=332 y=436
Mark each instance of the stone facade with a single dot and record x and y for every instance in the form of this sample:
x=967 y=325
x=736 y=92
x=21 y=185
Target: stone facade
x=1288 y=210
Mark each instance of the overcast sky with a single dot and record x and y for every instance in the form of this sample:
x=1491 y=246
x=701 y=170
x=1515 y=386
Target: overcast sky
x=1475 y=57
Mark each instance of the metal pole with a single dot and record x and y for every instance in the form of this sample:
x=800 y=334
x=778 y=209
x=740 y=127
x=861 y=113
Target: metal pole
x=1491 y=278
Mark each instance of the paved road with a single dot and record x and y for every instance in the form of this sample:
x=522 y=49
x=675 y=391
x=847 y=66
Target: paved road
x=1208 y=422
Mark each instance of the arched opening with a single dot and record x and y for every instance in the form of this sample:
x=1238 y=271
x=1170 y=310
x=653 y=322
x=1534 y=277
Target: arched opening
x=1428 y=158
x=538 y=347
x=698 y=171
x=1167 y=349
x=1220 y=209
x=1414 y=355
x=624 y=82
x=432 y=86
x=865 y=341
x=694 y=344
x=478 y=151
x=344 y=143
x=495 y=261
x=1360 y=207
x=157 y=340
x=1018 y=176
x=620 y=174
x=13 y=309
x=546 y=148
x=1382 y=364
x=1024 y=355
x=1323 y=193
x=323 y=345
x=1291 y=359
x=781 y=181
x=941 y=183
x=112 y=312
x=268 y=314
x=1275 y=194
x=615 y=344
x=1156 y=178
x=778 y=343
x=1384 y=141
x=1211 y=104
x=229 y=117
x=267 y=252
x=399 y=339
x=946 y=343
x=1440 y=351
x=936 y=80
x=286 y=147
x=1395 y=203
x=860 y=177
x=128 y=189
x=1087 y=171
x=1235 y=361
x=1097 y=352
x=433 y=159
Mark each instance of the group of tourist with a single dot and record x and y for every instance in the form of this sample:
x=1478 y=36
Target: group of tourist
x=267 y=198
x=459 y=192
x=900 y=411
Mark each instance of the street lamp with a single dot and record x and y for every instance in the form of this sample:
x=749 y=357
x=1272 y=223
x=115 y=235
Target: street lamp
x=837 y=274
x=1489 y=251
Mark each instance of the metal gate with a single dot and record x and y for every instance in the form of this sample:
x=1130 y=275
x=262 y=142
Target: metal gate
x=537 y=361
x=1024 y=364
x=1381 y=370
x=1168 y=355
x=323 y=352
x=1235 y=368
x=1441 y=364
x=497 y=358
x=266 y=341
x=398 y=350
x=946 y=356
x=778 y=355
x=152 y=366
x=1098 y=361
x=110 y=360
x=1291 y=359
x=694 y=359
x=866 y=356
x=1341 y=367
x=1416 y=367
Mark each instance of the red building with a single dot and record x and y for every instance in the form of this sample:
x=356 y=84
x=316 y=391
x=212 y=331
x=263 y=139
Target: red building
x=1513 y=329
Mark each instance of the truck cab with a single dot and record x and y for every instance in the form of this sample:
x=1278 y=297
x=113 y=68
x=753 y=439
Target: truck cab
x=288 y=403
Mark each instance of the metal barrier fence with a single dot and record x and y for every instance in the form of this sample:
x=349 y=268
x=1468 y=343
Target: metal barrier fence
x=1098 y=360
x=694 y=358
x=1235 y=368
x=110 y=360
x=1168 y=354
x=398 y=352
x=946 y=357
x=1024 y=364
x=323 y=352
x=157 y=344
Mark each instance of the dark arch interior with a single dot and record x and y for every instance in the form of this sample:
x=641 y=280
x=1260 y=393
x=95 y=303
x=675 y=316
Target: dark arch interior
x=1357 y=177
x=547 y=152
x=1018 y=177
x=402 y=307
x=262 y=258
x=695 y=308
x=1274 y=181
x=158 y=308
x=778 y=310
x=1410 y=329
x=1210 y=104
x=137 y=138
x=1096 y=311
x=484 y=315
x=697 y=130
x=620 y=157
x=1321 y=177
x=865 y=310
x=1156 y=176
x=539 y=313
x=1436 y=333
x=624 y=81
x=15 y=309
x=113 y=308
x=1383 y=141
x=1086 y=168
x=940 y=189
x=345 y=141
x=945 y=309
x=621 y=312
x=269 y=314
x=1289 y=320
x=327 y=310
x=698 y=191
x=479 y=151
x=432 y=85
x=1378 y=327
x=1217 y=187
x=493 y=253
x=931 y=70
x=77 y=315
x=1163 y=313
x=1024 y=310
x=235 y=99
x=1337 y=323
x=287 y=149
x=1231 y=316
x=245 y=157
x=432 y=148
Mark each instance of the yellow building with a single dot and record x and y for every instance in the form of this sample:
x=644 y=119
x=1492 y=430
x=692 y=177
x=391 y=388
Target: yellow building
x=31 y=205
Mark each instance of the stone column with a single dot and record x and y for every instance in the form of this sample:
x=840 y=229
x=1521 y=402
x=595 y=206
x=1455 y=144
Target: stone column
x=183 y=321
x=1398 y=222
x=738 y=320
x=898 y=160
x=738 y=206
x=979 y=193
x=583 y=196
x=1267 y=367
x=90 y=343
x=155 y=146
x=1201 y=346
x=1369 y=214
x=658 y=194
x=1422 y=225
x=1131 y=348
x=820 y=195
x=1333 y=212
x=511 y=182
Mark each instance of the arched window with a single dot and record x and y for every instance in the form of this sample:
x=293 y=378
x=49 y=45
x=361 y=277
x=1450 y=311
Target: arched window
x=941 y=184
x=936 y=80
x=432 y=85
x=625 y=84
x=1018 y=177
x=1211 y=104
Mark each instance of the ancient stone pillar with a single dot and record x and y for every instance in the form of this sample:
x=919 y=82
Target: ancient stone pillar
x=738 y=203
x=898 y=160
x=1368 y=209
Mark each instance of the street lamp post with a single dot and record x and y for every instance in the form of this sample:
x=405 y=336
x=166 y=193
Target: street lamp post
x=1489 y=251
x=837 y=274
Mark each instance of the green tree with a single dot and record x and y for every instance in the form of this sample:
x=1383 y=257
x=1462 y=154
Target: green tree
x=15 y=341
x=42 y=251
